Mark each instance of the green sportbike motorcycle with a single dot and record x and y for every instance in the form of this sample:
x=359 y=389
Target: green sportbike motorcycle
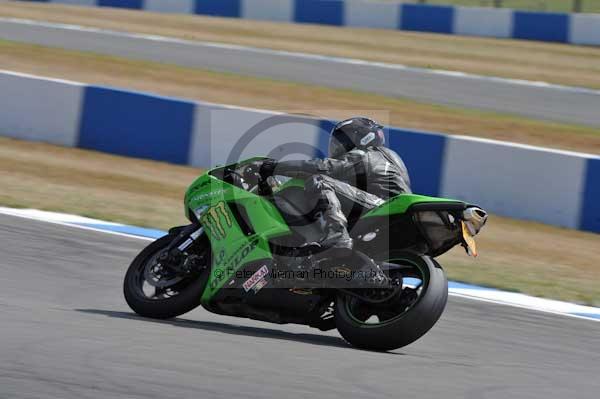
x=245 y=254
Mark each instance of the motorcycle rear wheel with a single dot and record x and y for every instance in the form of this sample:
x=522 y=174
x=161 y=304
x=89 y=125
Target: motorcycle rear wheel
x=401 y=322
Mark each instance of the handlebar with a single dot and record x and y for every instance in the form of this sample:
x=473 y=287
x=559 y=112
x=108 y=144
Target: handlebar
x=264 y=187
x=248 y=176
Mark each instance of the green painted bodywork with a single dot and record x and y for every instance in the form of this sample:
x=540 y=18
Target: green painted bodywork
x=210 y=199
x=231 y=248
x=401 y=203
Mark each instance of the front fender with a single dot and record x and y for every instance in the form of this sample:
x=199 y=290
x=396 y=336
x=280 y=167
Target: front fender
x=176 y=230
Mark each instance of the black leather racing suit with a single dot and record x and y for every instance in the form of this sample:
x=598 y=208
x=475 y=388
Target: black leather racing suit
x=360 y=180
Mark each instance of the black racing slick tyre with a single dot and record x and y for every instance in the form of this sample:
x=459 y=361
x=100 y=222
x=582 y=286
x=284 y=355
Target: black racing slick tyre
x=410 y=323
x=186 y=297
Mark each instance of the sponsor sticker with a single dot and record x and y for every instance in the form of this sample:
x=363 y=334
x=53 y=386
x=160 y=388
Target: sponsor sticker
x=225 y=268
x=367 y=139
x=259 y=285
x=204 y=196
x=256 y=278
x=217 y=219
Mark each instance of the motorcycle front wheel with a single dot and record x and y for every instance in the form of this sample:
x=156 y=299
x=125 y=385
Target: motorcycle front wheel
x=152 y=292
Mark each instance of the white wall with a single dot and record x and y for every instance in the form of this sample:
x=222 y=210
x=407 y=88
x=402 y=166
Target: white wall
x=171 y=6
x=218 y=129
x=515 y=180
x=38 y=109
x=585 y=29
x=76 y=2
x=480 y=21
x=268 y=10
x=372 y=14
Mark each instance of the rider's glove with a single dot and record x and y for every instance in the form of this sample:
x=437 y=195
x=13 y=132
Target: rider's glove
x=267 y=168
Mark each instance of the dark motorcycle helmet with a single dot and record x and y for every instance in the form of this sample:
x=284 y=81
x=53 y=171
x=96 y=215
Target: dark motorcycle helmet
x=354 y=133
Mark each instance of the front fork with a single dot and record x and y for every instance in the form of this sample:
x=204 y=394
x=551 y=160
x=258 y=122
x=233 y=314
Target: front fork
x=172 y=256
x=186 y=235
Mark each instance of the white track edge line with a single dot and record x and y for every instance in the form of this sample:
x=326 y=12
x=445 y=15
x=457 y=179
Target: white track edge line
x=461 y=295
x=77 y=226
x=516 y=305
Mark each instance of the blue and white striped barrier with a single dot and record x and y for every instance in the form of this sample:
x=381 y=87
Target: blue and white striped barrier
x=469 y=291
x=556 y=187
x=476 y=21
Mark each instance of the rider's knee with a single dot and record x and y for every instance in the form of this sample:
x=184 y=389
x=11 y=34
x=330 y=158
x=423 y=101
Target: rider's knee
x=317 y=184
x=313 y=184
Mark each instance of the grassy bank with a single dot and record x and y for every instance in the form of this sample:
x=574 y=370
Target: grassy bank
x=528 y=257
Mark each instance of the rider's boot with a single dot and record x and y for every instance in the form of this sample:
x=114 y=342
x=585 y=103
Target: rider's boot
x=338 y=247
x=336 y=238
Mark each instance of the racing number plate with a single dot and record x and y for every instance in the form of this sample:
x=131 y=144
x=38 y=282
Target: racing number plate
x=469 y=240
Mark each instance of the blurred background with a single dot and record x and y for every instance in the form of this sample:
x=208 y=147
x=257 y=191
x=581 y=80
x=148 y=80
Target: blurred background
x=109 y=109
x=441 y=84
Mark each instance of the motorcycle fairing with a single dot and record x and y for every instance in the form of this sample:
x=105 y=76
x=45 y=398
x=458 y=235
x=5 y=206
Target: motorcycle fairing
x=240 y=224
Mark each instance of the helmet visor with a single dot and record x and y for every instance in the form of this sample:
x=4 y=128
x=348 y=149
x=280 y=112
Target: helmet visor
x=339 y=144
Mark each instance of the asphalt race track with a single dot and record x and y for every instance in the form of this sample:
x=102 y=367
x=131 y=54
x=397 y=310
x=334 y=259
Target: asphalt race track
x=500 y=95
x=66 y=332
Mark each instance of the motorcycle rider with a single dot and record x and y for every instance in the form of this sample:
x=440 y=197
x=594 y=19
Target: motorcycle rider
x=358 y=175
